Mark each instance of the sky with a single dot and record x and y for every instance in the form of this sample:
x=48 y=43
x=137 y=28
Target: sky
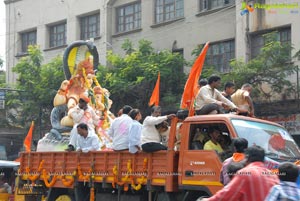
x=2 y=30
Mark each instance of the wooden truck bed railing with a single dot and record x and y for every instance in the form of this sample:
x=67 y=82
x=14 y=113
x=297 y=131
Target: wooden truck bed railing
x=113 y=167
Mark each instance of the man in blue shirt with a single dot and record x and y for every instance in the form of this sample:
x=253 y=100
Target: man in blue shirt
x=287 y=188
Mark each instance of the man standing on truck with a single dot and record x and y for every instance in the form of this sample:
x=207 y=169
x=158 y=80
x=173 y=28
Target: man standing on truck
x=119 y=130
x=209 y=100
x=151 y=139
x=253 y=182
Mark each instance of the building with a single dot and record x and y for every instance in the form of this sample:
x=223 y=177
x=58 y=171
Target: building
x=177 y=25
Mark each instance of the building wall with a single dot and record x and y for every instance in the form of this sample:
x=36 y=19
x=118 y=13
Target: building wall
x=193 y=28
x=188 y=31
x=26 y=15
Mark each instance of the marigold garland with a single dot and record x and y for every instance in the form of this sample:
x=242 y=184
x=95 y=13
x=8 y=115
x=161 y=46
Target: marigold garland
x=84 y=177
x=96 y=81
x=47 y=183
x=129 y=172
x=34 y=177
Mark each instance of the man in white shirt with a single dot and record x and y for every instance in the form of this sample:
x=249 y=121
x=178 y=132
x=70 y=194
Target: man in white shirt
x=209 y=100
x=82 y=113
x=119 y=130
x=87 y=140
x=151 y=139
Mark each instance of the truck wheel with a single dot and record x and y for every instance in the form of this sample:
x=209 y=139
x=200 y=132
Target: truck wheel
x=60 y=194
x=64 y=198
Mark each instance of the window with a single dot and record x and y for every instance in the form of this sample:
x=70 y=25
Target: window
x=179 y=51
x=214 y=4
x=258 y=41
x=58 y=35
x=28 y=38
x=90 y=27
x=166 y=10
x=201 y=134
x=219 y=55
x=129 y=17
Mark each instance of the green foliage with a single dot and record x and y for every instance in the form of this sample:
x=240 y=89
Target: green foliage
x=2 y=78
x=37 y=85
x=272 y=67
x=2 y=74
x=1 y=63
x=132 y=78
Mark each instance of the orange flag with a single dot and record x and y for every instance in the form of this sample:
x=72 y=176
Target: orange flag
x=154 y=100
x=190 y=88
x=28 y=139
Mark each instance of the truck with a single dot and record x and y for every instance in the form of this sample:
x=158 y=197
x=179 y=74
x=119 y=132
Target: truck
x=172 y=174
x=183 y=172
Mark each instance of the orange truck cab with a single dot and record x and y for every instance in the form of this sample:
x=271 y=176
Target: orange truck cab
x=183 y=172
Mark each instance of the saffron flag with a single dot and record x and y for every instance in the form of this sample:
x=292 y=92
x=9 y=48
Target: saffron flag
x=28 y=139
x=154 y=99
x=190 y=88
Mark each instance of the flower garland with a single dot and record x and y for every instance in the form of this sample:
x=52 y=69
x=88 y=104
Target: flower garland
x=68 y=182
x=96 y=81
x=34 y=177
x=92 y=194
x=120 y=183
x=142 y=179
x=129 y=172
x=86 y=83
x=45 y=178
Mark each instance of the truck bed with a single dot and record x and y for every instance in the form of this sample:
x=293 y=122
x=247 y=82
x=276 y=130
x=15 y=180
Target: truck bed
x=110 y=167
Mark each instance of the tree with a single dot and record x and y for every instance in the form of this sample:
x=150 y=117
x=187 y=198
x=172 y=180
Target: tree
x=2 y=73
x=269 y=72
x=132 y=78
x=37 y=85
x=271 y=68
x=1 y=62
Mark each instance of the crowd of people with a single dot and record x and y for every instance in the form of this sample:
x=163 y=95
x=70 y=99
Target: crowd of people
x=126 y=132
x=246 y=177
x=210 y=100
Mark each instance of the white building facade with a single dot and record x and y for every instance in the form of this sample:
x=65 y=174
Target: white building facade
x=177 y=25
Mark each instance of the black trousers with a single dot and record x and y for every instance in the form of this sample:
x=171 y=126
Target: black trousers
x=206 y=109
x=153 y=146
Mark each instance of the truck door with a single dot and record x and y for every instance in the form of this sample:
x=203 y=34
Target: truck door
x=201 y=168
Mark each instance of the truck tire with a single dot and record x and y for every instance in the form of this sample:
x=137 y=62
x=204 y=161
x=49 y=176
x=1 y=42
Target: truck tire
x=60 y=194
x=63 y=198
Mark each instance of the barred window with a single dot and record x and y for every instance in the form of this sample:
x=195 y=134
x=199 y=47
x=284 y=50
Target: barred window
x=167 y=10
x=58 y=35
x=214 y=4
x=258 y=41
x=129 y=17
x=220 y=54
x=28 y=38
x=90 y=27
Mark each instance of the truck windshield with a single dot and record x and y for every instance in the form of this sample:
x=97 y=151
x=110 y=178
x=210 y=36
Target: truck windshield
x=276 y=141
